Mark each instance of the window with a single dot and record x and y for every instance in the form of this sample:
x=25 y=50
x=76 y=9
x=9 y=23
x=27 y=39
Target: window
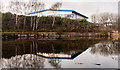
x=68 y=15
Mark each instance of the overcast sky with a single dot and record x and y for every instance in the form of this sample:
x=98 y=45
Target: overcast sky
x=85 y=7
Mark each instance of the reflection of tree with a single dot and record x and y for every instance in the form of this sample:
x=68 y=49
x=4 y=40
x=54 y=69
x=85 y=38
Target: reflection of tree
x=33 y=47
x=24 y=61
x=55 y=63
x=18 y=47
x=106 y=48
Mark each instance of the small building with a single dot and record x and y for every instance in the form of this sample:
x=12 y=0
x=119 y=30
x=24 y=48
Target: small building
x=58 y=12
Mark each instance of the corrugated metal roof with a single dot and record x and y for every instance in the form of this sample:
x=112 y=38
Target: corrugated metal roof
x=58 y=10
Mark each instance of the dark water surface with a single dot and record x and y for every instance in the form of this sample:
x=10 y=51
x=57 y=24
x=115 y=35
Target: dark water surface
x=60 y=53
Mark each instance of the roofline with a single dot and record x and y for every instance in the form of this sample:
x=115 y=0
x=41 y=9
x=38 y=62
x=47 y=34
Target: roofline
x=58 y=10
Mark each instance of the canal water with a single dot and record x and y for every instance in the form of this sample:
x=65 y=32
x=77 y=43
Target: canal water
x=60 y=53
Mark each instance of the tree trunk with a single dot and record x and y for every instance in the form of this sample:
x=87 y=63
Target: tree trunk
x=36 y=48
x=33 y=47
x=17 y=25
x=31 y=21
x=37 y=23
x=53 y=21
x=34 y=24
x=24 y=23
x=16 y=19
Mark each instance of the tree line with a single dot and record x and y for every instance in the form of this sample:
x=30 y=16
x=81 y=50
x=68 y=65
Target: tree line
x=17 y=21
x=19 y=7
x=104 y=18
x=45 y=22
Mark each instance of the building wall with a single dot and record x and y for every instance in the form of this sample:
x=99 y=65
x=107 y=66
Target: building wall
x=67 y=14
x=76 y=16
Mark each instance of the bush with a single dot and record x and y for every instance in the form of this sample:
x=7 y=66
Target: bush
x=59 y=32
x=83 y=20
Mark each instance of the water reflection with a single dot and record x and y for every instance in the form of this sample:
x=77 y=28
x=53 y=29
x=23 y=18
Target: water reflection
x=53 y=55
x=23 y=61
x=70 y=47
x=106 y=48
x=83 y=53
x=55 y=63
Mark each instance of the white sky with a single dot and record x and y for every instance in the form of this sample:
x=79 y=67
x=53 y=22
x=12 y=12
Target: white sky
x=85 y=7
x=72 y=0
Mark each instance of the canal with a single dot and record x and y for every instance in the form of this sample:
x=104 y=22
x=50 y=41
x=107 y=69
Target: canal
x=80 y=52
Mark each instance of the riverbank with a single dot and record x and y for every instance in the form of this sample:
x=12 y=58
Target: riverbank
x=115 y=35
x=10 y=35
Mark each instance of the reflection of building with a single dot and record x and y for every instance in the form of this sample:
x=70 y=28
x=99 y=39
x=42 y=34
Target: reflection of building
x=53 y=55
x=62 y=13
x=59 y=55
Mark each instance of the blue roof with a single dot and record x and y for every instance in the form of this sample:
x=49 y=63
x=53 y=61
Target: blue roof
x=58 y=10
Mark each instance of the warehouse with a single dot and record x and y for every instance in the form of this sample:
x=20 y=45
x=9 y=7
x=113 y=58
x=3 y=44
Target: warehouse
x=58 y=12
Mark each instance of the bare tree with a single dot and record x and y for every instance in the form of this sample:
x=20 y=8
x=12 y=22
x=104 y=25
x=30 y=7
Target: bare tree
x=42 y=5
x=15 y=7
x=30 y=10
x=104 y=17
x=115 y=21
x=111 y=17
x=94 y=18
x=57 y=5
x=25 y=9
x=35 y=6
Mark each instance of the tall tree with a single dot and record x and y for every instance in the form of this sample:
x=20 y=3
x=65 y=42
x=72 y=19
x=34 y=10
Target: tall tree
x=25 y=9
x=35 y=6
x=57 y=5
x=15 y=7
x=30 y=4
x=94 y=18
x=42 y=5
x=104 y=17
x=115 y=21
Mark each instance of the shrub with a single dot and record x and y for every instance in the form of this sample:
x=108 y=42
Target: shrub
x=83 y=20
